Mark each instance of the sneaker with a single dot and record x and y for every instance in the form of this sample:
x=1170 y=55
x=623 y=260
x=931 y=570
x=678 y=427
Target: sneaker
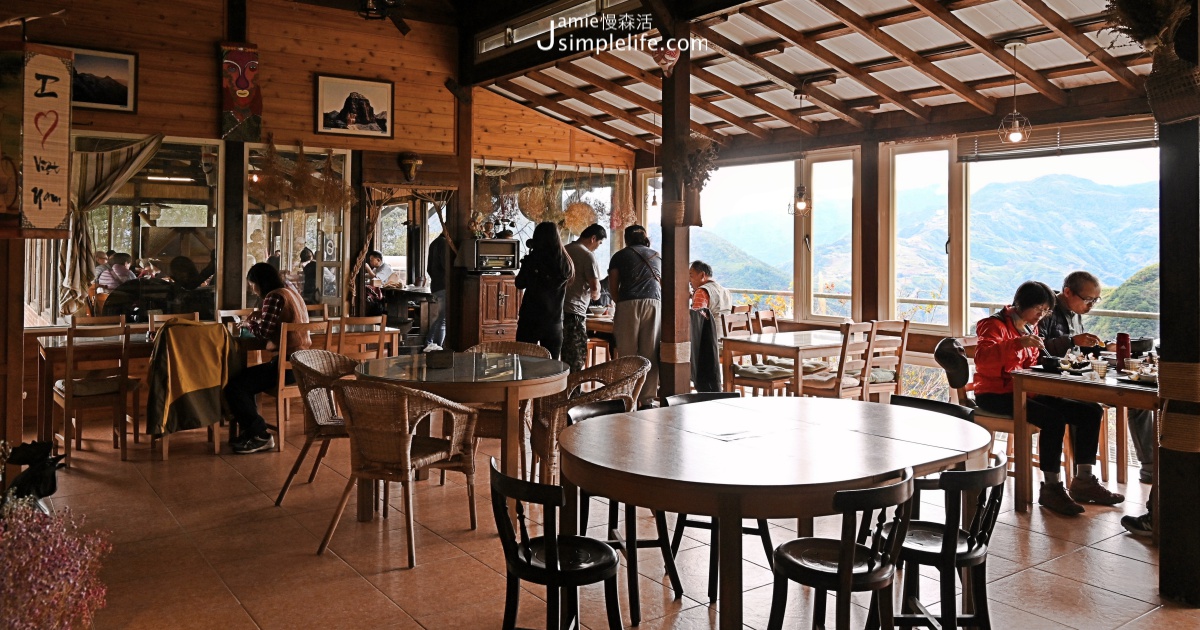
x=432 y=347
x=1138 y=525
x=255 y=444
x=1054 y=496
x=1088 y=489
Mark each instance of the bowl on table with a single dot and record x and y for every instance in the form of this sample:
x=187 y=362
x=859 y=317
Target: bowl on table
x=596 y=311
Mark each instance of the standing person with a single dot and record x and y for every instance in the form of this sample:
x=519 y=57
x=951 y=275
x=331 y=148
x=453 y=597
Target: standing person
x=706 y=293
x=544 y=274
x=118 y=272
x=635 y=281
x=584 y=288
x=1063 y=328
x=436 y=266
x=279 y=305
x=308 y=272
x=1009 y=341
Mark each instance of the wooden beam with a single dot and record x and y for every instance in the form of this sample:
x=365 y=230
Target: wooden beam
x=654 y=81
x=660 y=15
x=874 y=33
x=794 y=36
x=582 y=119
x=600 y=83
x=783 y=77
x=991 y=49
x=1084 y=44
x=736 y=91
x=591 y=101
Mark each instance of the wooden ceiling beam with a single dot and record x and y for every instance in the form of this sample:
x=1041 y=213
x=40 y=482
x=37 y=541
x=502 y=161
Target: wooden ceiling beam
x=757 y=101
x=783 y=77
x=794 y=36
x=654 y=81
x=917 y=62
x=583 y=120
x=573 y=92
x=1084 y=44
x=989 y=48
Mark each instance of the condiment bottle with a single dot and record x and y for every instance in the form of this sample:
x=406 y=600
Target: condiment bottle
x=1123 y=348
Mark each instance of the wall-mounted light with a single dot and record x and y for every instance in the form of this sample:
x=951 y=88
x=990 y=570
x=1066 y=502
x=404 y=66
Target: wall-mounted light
x=799 y=203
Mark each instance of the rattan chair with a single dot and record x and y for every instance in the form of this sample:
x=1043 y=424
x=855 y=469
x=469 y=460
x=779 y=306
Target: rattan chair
x=382 y=420
x=619 y=379
x=316 y=371
x=92 y=387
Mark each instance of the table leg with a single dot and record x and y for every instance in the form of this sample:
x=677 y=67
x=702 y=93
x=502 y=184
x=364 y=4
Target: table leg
x=1122 y=444
x=1022 y=449
x=510 y=451
x=729 y=510
x=805 y=527
x=45 y=431
x=727 y=367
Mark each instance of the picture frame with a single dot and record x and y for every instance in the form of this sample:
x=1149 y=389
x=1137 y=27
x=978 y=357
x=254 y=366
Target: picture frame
x=105 y=80
x=348 y=106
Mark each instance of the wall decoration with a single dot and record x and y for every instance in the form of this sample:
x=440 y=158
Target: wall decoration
x=104 y=79
x=354 y=107
x=241 y=96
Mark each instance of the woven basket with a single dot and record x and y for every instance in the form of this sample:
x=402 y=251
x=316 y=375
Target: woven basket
x=1173 y=88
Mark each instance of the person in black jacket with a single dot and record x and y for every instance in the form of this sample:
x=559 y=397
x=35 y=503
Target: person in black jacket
x=436 y=266
x=544 y=274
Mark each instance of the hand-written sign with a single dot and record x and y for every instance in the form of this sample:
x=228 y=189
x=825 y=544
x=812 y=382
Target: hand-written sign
x=45 y=141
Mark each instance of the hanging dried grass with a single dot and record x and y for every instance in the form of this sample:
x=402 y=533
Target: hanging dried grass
x=623 y=213
x=305 y=189
x=579 y=215
x=273 y=186
x=532 y=202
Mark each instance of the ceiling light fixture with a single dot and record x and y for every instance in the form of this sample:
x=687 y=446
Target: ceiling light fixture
x=800 y=203
x=1014 y=128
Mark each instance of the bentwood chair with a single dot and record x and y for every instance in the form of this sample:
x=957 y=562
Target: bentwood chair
x=929 y=482
x=284 y=391
x=316 y=371
x=92 y=387
x=861 y=560
x=382 y=421
x=97 y=320
x=552 y=559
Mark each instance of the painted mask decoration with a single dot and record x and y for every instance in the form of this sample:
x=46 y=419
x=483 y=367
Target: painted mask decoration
x=241 y=98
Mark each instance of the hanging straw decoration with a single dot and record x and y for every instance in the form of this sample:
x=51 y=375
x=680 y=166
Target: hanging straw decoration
x=623 y=212
x=374 y=200
x=305 y=189
x=273 y=186
x=333 y=193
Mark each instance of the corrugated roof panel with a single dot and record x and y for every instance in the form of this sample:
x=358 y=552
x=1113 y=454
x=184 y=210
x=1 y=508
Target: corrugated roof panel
x=626 y=127
x=1075 y=9
x=743 y=31
x=739 y=107
x=801 y=13
x=799 y=61
x=923 y=34
x=904 y=79
x=533 y=86
x=647 y=91
x=737 y=73
x=972 y=67
x=1003 y=95
x=595 y=66
x=1050 y=54
x=938 y=101
x=872 y=7
x=701 y=116
x=846 y=89
x=854 y=48
x=782 y=98
x=1091 y=78
x=995 y=18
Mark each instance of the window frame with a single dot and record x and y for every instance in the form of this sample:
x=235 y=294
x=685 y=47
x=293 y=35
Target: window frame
x=803 y=300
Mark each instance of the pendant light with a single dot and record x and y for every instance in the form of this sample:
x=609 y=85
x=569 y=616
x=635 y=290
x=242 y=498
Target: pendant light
x=1014 y=128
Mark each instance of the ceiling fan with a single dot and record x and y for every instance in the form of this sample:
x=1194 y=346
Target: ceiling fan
x=385 y=9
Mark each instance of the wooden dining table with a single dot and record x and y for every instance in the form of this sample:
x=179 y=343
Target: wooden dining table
x=755 y=458
x=797 y=346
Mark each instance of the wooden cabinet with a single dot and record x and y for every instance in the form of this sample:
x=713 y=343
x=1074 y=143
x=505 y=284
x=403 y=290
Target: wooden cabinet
x=493 y=302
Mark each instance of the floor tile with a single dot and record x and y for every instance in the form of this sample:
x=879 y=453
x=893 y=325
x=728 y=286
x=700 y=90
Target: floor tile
x=1108 y=571
x=440 y=586
x=1066 y=601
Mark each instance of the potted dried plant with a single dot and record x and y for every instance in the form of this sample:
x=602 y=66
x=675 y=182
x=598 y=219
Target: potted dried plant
x=1173 y=87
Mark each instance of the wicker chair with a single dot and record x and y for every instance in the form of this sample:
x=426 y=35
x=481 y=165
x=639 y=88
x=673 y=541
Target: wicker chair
x=315 y=372
x=619 y=379
x=382 y=420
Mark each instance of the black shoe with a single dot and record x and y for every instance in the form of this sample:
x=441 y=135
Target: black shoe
x=1138 y=525
x=1054 y=496
x=255 y=444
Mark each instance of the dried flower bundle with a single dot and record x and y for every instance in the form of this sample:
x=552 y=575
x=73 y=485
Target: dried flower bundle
x=1151 y=23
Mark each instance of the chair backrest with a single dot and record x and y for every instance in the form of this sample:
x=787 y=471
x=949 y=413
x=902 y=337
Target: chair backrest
x=987 y=488
x=737 y=324
x=852 y=358
x=936 y=406
x=367 y=330
x=695 y=397
x=951 y=356
x=232 y=316
x=515 y=540
x=592 y=410
x=511 y=347
x=157 y=319
x=312 y=328
x=317 y=312
x=620 y=379
x=740 y=308
x=765 y=322
x=118 y=373
x=889 y=342
x=884 y=542
x=97 y=320
x=316 y=371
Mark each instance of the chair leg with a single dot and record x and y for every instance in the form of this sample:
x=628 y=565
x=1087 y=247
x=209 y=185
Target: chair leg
x=949 y=605
x=873 y=612
x=631 y=562
x=764 y=534
x=137 y=415
x=887 y=620
x=818 y=620
x=660 y=523
x=409 y=527
x=714 y=565
x=471 y=499
x=552 y=603
x=778 y=602
x=979 y=597
x=312 y=476
x=612 y=603
x=677 y=538
x=68 y=433
x=842 y=604
x=912 y=587
x=585 y=503
x=287 y=483
x=337 y=515
x=512 y=600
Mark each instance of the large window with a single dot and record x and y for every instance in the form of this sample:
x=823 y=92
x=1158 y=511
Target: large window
x=830 y=235
x=921 y=225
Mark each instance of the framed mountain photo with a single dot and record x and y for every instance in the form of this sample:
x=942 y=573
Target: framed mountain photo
x=104 y=79
x=354 y=107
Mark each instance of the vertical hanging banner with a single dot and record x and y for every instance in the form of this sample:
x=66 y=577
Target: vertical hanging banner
x=35 y=136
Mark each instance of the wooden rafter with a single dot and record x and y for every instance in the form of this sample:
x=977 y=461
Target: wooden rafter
x=654 y=81
x=660 y=15
x=600 y=83
x=783 y=77
x=918 y=63
x=828 y=56
x=991 y=49
x=539 y=100
x=573 y=92
x=1084 y=44
x=736 y=91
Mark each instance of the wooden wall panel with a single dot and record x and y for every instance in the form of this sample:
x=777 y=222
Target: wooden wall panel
x=507 y=130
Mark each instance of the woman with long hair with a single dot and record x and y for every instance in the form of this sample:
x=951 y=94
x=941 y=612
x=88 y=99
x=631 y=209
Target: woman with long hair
x=544 y=274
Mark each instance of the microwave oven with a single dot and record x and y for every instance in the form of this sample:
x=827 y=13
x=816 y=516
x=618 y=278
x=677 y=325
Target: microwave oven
x=490 y=254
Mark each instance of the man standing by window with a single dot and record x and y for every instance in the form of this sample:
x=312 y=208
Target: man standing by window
x=583 y=288
x=436 y=266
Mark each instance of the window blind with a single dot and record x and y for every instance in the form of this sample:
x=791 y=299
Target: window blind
x=1064 y=139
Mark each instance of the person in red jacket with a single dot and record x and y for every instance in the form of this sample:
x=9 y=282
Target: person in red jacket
x=1009 y=341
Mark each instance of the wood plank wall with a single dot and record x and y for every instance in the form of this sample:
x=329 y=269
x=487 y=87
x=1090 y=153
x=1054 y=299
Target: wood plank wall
x=507 y=130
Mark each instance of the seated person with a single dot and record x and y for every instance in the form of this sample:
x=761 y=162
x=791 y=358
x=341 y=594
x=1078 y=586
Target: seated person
x=1009 y=341
x=376 y=268
x=118 y=272
x=101 y=259
x=707 y=294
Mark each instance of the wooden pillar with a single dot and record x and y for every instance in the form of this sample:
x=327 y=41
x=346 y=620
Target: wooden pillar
x=871 y=278
x=675 y=367
x=459 y=220
x=357 y=229
x=1179 y=254
x=12 y=322
x=233 y=164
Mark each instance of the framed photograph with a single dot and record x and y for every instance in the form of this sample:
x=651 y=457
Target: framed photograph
x=354 y=107
x=104 y=79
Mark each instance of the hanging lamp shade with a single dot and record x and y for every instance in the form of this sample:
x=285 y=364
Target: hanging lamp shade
x=1015 y=128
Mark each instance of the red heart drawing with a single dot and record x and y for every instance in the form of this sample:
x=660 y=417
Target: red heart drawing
x=37 y=124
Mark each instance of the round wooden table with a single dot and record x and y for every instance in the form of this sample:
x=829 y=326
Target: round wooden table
x=755 y=458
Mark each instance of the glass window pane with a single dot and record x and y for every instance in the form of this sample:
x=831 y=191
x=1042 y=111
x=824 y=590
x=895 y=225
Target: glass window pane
x=922 y=230
x=832 y=218
x=392 y=238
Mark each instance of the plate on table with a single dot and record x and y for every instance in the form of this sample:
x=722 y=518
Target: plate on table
x=1129 y=381
x=1072 y=371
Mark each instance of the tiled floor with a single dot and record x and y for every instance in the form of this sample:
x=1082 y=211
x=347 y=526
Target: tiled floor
x=198 y=543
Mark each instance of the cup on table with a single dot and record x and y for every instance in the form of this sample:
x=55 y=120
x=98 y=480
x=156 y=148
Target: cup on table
x=1100 y=367
x=1133 y=365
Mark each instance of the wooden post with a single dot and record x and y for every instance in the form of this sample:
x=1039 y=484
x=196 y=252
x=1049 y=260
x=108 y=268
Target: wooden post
x=675 y=374
x=12 y=322
x=357 y=228
x=233 y=164
x=1179 y=253
x=459 y=219
x=874 y=302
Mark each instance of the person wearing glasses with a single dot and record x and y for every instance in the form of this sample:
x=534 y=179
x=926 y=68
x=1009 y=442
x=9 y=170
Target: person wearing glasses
x=1009 y=341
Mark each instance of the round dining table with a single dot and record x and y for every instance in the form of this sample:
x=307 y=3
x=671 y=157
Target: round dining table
x=761 y=457
x=473 y=378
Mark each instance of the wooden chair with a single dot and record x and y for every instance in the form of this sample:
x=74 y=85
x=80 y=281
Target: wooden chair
x=157 y=319
x=937 y=406
x=317 y=312
x=316 y=371
x=949 y=549
x=740 y=308
x=737 y=324
x=97 y=320
x=135 y=385
x=92 y=387
x=765 y=322
x=862 y=560
x=356 y=344
x=382 y=420
x=285 y=392
x=695 y=397
x=847 y=378
x=758 y=379
x=889 y=342
x=551 y=559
